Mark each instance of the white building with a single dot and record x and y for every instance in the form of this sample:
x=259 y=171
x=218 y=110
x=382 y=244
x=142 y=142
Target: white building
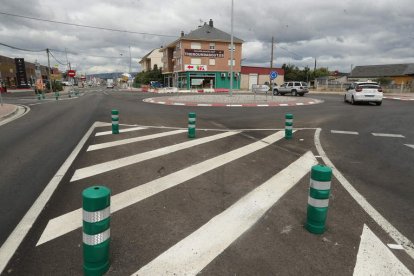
x=152 y=58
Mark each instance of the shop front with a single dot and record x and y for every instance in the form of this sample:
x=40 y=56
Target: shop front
x=202 y=80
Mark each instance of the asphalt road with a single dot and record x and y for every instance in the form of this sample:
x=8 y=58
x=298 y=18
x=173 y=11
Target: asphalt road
x=380 y=168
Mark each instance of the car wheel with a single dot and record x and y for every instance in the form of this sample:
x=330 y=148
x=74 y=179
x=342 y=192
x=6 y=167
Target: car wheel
x=379 y=103
x=275 y=92
x=301 y=94
x=345 y=101
x=294 y=93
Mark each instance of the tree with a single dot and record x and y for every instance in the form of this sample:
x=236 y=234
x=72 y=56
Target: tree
x=145 y=77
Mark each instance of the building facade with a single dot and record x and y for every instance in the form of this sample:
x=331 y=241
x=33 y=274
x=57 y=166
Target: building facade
x=401 y=74
x=8 y=72
x=259 y=75
x=152 y=58
x=201 y=59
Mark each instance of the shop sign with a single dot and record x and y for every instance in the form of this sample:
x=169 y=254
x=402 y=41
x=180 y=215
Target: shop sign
x=192 y=67
x=204 y=53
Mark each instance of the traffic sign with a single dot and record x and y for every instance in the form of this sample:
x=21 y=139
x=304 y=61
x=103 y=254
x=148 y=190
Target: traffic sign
x=71 y=73
x=273 y=75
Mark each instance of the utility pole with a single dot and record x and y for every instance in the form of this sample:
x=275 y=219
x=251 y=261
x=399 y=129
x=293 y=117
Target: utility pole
x=48 y=65
x=130 y=60
x=231 y=51
x=271 y=61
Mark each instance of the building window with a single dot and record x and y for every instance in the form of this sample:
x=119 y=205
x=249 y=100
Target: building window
x=212 y=46
x=195 y=45
x=234 y=62
x=211 y=61
x=196 y=61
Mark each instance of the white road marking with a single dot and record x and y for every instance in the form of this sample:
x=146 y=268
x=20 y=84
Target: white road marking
x=192 y=254
x=344 y=132
x=136 y=158
x=178 y=103
x=411 y=146
x=283 y=104
x=10 y=246
x=375 y=215
x=299 y=103
x=374 y=258
x=388 y=135
x=395 y=246
x=203 y=104
x=133 y=140
x=120 y=131
x=234 y=105
x=68 y=222
x=158 y=102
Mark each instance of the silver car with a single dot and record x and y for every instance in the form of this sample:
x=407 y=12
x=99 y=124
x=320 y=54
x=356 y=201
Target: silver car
x=292 y=87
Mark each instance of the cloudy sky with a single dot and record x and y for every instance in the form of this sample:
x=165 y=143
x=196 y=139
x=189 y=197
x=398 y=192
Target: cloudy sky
x=339 y=34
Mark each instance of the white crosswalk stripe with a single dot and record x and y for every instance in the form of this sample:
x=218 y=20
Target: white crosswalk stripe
x=192 y=254
x=68 y=222
x=133 y=140
x=411 y=146
x=344 y=132
x=122 y=130
x=388 y=135
x=134 y=159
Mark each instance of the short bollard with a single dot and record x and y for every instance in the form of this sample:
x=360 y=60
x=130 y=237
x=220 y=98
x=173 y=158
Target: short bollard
x=115 y=121
x=96 y=232
x=39 y=96
x=319 y=190
x=191 y=125
x=43 y=96
x=57 y=95
x=288 y=126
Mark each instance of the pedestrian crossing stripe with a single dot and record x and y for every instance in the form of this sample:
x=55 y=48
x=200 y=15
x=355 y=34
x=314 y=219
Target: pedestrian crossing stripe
x=134 y=159
x=196 y=251
x=133 y=140
x=120 y=131
x=68 y=222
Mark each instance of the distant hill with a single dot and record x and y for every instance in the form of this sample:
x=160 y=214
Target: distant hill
x=110 y=75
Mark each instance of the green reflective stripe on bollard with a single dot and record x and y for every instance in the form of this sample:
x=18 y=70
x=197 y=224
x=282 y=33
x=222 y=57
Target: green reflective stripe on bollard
x=114 y=112
x=96 y=232
x=288 y=116
x=318 y=200
x=288 y=126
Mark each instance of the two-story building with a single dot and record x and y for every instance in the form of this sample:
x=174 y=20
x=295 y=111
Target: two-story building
x=151 y=59
x=201 y=59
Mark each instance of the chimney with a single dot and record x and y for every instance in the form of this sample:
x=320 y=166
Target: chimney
x=210 y=23
x=182 y=33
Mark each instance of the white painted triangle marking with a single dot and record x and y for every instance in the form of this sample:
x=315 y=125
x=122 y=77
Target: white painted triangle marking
x=123 y=130
x=133 y=140
x=136 y=158
x=411 y=146
x=71 y=221
x=196 y=251
x=375 y=258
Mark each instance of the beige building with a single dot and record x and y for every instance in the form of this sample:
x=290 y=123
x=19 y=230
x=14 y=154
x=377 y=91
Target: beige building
x=259 y=75
x=152 y=58
x=201 y=59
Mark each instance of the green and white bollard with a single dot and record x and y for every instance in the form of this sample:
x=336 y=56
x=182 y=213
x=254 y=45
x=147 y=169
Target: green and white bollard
x=191 y=125
x=319 y=191
x=96 y=231
x=288 y=126
x=43 y=96
x=115 y=121
x=39 y=96
x=57 y=95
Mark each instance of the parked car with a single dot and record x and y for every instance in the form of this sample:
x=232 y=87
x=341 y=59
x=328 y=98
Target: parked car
x=364 y=92
x=292 y=87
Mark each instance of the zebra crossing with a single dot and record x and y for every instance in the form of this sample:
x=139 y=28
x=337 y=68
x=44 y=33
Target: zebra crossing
x=179 y=206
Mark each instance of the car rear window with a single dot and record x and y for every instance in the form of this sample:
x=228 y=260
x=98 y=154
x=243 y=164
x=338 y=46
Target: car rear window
x=369 y=86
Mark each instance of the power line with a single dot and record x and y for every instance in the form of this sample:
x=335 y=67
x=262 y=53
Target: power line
x=21 y=49
x=61 y=63
x=83 y=26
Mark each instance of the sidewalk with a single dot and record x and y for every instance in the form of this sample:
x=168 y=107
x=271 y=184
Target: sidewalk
x=7 y=110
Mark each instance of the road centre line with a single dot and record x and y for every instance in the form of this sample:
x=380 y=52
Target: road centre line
x=133 y=140
x=388 y=135
x=344 y=132
x=140 y=157
x=371 y=211
x=14 y=240
x=411 y=146
x=196 y=251
x=68 y=222
x=120 y=131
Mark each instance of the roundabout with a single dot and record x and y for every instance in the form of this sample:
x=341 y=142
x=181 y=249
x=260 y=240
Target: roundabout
x=237 y=100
